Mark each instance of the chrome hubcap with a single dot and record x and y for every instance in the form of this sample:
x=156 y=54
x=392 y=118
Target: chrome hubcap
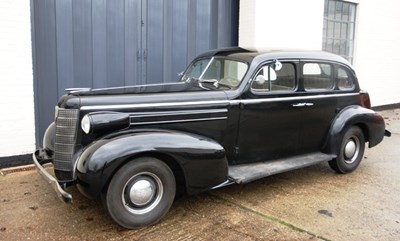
x=351 y=150
x=142 y=193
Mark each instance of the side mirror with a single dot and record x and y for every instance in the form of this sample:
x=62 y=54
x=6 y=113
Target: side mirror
x=277 y=65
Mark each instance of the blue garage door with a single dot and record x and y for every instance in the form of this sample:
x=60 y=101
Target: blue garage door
x=105 y=43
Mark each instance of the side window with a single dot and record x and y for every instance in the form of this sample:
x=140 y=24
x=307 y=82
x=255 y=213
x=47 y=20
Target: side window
x=317 y=76
x=344 y=79
x=269 y=79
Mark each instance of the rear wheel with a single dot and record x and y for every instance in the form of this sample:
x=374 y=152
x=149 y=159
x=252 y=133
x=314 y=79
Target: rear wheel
x=140 y=193
x=350 y=152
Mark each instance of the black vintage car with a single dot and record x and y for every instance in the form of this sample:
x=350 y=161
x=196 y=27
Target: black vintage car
x=236 y=116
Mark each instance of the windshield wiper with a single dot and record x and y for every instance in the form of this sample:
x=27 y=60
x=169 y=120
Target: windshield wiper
x=215 y=83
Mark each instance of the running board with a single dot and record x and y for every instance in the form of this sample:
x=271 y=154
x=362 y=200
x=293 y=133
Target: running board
x=246 y=173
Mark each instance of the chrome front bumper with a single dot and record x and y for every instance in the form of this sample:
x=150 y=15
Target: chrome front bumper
x=61 y=193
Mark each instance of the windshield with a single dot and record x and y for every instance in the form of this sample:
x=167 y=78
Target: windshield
x=216 y=71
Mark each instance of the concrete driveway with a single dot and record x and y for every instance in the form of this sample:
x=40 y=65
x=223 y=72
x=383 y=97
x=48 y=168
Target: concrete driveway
x=309 y=204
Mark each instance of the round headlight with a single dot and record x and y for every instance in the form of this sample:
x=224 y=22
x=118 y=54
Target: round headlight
x=85 y=124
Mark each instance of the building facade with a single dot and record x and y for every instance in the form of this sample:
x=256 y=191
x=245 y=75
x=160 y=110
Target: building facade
x=100 y=43
x=17 y=120
x=365 y=32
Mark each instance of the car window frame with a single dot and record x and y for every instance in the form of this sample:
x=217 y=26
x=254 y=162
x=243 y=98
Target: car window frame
x=349 y=73
x=248 y=65
x=333 y=75
x=295 y=64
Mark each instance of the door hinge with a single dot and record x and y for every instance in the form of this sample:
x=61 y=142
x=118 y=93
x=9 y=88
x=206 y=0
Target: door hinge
x=144 y=54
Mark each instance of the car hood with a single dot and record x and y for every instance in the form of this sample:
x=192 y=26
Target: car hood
x=144 y=95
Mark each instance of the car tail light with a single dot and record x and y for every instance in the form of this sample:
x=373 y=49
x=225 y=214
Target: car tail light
x=364 y=100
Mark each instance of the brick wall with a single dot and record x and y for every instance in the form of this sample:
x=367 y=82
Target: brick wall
x=247 y=22
x=292 y=24
x=283 y=24
x=17 y=124
x=377 y=50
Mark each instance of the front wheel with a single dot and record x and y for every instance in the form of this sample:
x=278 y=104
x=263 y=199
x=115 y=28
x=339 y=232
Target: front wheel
x=140 y=193
x=350 y=152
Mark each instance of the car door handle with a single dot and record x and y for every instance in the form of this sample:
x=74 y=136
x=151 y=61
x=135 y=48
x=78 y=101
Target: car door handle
x=302 y=104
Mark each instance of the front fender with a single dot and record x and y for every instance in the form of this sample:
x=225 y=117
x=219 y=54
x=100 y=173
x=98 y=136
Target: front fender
x=372 y=124
x=201 y=159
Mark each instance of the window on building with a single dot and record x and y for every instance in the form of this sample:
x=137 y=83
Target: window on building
x=339 y=27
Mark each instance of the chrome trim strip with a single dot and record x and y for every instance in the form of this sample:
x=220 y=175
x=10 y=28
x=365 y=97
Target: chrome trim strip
x=152 y=105
x=213 y=102
x=139 y=86
x=177 y=121
x=296 y=98
x=173 y=113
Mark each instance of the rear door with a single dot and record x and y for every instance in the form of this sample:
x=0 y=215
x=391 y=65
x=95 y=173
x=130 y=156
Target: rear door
x=318 y=104
x=325 y=88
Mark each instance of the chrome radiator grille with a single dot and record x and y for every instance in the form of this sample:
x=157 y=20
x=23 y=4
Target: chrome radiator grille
x=64 y=146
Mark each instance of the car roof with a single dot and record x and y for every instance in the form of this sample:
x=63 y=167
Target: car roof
x=250 y=55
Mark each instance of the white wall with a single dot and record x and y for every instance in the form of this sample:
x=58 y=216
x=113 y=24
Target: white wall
x=283 y=24
x=17 y=122
x=377 y=53
x=293 y=24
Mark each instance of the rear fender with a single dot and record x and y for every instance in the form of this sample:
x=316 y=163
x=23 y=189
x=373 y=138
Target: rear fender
x=369 y=121
x=202 y=160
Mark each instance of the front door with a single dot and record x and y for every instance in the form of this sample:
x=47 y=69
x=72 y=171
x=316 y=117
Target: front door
x=268 y=126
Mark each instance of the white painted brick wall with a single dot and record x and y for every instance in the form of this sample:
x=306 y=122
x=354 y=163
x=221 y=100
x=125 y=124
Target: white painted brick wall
x=247 y=23
x=293 y=24
x=377 y=54
x=17 y=122
x=283 y=24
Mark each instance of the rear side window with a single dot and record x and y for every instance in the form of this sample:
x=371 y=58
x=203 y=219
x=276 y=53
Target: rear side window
x=317 y=76
x=344 y=79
